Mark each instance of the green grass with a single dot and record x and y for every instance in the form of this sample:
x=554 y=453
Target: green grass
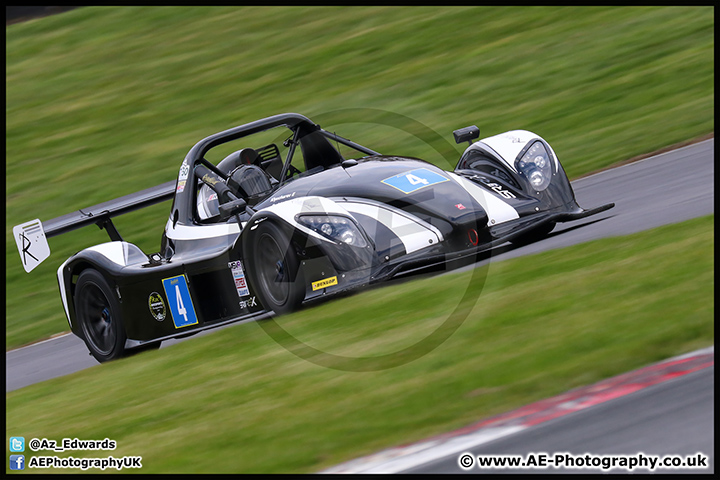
x=235 y=401
x=105 y=101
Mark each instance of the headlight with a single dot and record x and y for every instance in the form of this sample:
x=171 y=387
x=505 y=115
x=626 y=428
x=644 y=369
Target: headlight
x=334 y=227
x=535 y=165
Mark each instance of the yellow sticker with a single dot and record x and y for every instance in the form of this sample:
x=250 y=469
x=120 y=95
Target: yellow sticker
x=328 y=282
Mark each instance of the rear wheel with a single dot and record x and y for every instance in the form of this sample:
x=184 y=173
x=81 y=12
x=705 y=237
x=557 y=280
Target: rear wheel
x=98 y=314
x=275 y=269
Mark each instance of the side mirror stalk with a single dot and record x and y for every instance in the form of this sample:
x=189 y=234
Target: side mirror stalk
x=235 y=207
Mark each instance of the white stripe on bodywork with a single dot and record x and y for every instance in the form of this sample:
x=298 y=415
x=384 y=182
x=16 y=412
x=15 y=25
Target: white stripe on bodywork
x=509 y=144
x=200 y=232
x=497 y=210
x=63 y=295
x=288 y=209
x=411 y=233
x=116 y=252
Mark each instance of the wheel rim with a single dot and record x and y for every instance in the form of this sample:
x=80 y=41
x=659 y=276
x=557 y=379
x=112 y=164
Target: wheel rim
x=273 y=270
x=97 y=319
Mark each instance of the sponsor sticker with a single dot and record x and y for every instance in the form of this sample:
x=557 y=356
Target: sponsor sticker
x=460 y=206
x=413 y=180
x=499 y=189
x=157 y=306
x=184 y=171
x=207 y=178
x=239 y=278
x=282 y=197
x=250 y=302
x=328 y=282
x=180 y=187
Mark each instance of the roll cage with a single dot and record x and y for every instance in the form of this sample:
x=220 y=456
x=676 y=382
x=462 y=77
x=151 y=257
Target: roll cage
x=317 y=152
x=184 y=199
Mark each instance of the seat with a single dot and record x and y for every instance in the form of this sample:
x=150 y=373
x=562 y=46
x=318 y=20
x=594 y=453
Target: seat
x=270 y=160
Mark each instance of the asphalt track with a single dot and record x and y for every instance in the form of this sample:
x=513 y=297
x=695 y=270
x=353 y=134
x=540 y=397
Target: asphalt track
x=647 y=415
x=671 y=418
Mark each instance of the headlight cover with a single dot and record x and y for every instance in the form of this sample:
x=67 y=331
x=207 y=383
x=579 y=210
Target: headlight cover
x=335 y=227
x=536 y=166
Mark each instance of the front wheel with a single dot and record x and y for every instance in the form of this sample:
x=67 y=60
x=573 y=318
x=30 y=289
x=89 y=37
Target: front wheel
x=274 y=269
x=98 y=314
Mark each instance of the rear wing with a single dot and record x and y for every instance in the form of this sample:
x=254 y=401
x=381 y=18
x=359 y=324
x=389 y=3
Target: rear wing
x=31 y=237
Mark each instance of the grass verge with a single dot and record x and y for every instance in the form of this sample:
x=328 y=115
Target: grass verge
x=235 y=401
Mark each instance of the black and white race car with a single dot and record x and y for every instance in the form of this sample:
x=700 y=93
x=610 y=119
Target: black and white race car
x=257 y=233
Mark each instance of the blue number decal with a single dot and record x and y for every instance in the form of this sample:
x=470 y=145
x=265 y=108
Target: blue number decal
x=181 y=306
x=413 y=180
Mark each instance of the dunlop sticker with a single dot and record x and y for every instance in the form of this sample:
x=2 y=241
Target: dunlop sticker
x=328 y=282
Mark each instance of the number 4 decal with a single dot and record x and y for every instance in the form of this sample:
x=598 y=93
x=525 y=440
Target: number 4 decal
x=181 y=306
x=416 y=180
x=409 y=182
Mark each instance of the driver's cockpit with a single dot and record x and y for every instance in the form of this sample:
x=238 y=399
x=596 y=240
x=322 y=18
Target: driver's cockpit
x=252 y=174
x=246 y=178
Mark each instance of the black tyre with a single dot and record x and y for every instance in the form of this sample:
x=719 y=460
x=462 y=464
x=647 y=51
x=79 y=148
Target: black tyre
x=274 y=269
x=534 y=235
x=97 y=312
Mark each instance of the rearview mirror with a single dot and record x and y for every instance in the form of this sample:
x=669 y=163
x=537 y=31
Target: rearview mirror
x=467 y=134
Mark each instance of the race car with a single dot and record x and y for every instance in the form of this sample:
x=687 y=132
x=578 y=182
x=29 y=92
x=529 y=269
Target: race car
x=256 y=234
